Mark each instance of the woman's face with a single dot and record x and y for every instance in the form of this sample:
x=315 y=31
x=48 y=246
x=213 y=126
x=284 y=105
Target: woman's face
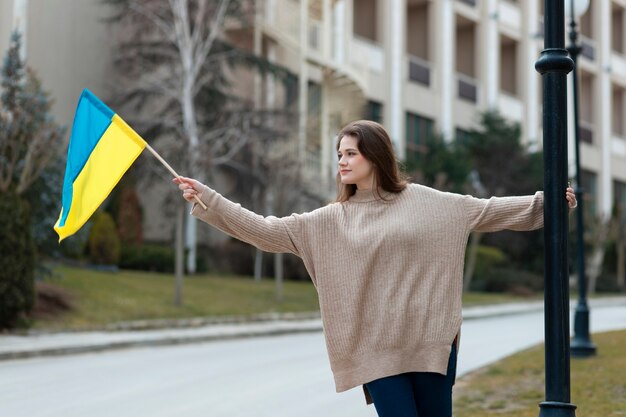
x=353 y=167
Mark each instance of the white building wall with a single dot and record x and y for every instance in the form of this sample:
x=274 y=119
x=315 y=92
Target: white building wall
x=67 y=44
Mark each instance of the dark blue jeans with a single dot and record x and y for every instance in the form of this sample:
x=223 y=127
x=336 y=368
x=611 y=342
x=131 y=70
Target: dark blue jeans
x=415 y=394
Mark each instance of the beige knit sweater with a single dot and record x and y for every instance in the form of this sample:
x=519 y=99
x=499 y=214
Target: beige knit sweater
x=388 y=273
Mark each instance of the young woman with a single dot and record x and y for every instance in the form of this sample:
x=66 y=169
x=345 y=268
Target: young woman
x=387 y=262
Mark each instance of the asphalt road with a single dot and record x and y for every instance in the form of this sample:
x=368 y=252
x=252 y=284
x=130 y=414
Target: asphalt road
x=282 y=376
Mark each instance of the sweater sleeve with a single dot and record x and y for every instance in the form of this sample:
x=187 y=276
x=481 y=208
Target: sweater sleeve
x=270 y=234
x=499 y=213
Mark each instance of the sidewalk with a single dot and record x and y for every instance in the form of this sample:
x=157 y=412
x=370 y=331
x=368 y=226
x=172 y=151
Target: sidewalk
x=172 y=332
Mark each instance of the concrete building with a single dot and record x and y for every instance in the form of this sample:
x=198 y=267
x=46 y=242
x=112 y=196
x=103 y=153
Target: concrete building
x=66 y=42
x=434 y=65
x=417 y=66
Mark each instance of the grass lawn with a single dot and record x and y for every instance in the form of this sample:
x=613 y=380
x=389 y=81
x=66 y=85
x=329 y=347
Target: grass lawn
x=514 y=386
x=103 y=297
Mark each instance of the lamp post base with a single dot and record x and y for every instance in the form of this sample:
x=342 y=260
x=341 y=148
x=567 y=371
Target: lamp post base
x=557 y=409
x=581 y=345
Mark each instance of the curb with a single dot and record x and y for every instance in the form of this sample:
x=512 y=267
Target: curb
x=194 y=322
x=165 y=341
x=147 y=333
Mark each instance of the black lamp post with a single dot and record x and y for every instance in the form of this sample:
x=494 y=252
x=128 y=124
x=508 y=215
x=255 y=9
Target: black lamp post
x=554 y=64
x=581 y=345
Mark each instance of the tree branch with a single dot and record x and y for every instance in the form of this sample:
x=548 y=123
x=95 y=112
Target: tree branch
x=157 y=20
x=205 y=47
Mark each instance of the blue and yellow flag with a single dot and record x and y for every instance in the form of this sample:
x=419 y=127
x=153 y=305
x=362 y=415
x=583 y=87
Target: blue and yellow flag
x=102 y=148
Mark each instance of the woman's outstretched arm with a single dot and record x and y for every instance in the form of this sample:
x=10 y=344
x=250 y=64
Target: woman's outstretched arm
x=513 y=213
x=270 y=234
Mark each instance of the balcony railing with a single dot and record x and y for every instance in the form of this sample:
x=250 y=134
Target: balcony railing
x=618 y=145
x=366 y=52
x=511 y=106
x=618 y=62
x=419 y=70
x=509 y=13
x=588 y=48
x=284 y=18
x=467 y=88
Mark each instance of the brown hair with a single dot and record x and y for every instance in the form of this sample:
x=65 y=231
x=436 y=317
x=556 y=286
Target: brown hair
x=375 y=145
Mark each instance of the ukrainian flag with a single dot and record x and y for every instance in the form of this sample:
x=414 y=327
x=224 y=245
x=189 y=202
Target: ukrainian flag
x=102 y=148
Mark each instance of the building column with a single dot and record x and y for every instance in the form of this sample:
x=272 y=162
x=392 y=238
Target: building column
x=327 y=30
x=348 y=24
x=491 y=53
x=257 y=40
x=339 y=32
x=530 y=78
x=396 y=45
x=303 y=81
x=604 y=106
x=445 y=61
x=326 y=138
x=270 y=81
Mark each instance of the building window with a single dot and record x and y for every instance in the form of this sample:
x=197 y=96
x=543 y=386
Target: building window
x=586 y=102
x=291 y=90
x=374 y=111
x=618 y=29
x=365 y=19
x=418 y=130
x=419 y=71
x=590 y=187
x=314 y=108
x=619 y=128
x=462 y=136
x=417 y=29
x=467 y=86
x=508 y=65
x=586 y=35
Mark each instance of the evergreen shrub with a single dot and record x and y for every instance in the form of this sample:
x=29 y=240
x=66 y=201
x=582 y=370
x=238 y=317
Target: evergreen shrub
x=104 y=242
x=17 y=261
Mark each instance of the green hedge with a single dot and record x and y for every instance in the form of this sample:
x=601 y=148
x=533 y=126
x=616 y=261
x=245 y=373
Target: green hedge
x=512 y=280
x=155 y=258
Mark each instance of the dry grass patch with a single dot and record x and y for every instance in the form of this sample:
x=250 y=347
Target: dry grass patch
x=514 y=386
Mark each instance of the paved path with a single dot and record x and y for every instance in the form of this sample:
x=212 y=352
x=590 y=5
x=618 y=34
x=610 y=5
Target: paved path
x=281 y=376
x=38 y=344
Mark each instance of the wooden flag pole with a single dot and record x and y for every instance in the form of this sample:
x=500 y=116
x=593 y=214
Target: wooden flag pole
x=157 y=156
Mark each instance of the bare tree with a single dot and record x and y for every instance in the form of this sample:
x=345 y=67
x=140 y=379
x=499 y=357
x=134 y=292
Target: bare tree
x=620 y=247
x=597 y=231
x=617 y=233
x=475 y=238
x=173 y=62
